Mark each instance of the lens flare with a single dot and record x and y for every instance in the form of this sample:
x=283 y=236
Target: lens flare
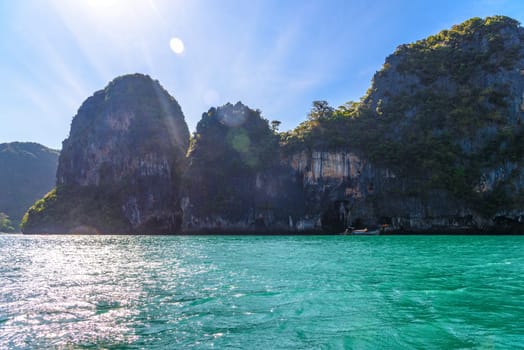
x=177 y=45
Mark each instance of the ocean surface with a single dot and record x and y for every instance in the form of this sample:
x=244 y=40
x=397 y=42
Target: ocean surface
x=261 y=292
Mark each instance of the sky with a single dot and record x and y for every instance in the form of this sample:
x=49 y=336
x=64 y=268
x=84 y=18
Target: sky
x=273 y=55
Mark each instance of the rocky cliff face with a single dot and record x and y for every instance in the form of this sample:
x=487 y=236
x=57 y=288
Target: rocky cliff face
x=342 y=188
x=235 y=182
x=119 y=170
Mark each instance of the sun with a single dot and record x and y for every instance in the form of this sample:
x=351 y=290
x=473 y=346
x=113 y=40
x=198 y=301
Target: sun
x=177 y=45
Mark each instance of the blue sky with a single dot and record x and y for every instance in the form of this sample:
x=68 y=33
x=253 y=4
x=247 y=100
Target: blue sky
x=277 y=56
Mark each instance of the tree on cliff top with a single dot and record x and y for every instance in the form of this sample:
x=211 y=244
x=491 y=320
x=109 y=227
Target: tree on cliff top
x=321 y=110
x=234 y=136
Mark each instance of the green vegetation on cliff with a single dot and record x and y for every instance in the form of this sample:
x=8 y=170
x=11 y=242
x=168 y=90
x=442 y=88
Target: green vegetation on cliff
x=464 y=50
x=441 y=112
x=80 y=209
x=5 y=223
x=231 y=145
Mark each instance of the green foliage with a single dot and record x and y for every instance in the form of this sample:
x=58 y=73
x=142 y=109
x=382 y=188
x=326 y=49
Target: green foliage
x=246 y=145
x=5 y=223
x=321 y=110
x=455 y=52
x=331 y=131
x=65 y=208
x=231 y=145
x=275 y=124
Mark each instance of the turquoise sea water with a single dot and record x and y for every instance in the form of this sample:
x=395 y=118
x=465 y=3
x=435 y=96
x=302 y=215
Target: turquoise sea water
x=261 y=292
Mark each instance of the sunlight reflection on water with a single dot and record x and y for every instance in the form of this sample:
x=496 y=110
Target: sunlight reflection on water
x=79 y=290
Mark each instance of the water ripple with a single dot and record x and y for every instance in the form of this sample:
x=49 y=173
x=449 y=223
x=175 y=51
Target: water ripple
x=134 y=292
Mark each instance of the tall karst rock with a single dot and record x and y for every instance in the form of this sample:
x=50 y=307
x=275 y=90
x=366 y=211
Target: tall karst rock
x=450 y=109
x=235 y=182
x=120 y=168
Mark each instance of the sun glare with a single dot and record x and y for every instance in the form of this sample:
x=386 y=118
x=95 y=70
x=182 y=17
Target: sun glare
x=177 y=45
x=101 y=4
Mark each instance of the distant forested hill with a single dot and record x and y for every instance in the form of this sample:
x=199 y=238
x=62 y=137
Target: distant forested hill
x=27 y=172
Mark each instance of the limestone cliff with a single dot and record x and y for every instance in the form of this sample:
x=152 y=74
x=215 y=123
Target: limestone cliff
x=235 y=182
x=343 y=188
x=457 y=98
x=440 y=134
x=119 y=169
